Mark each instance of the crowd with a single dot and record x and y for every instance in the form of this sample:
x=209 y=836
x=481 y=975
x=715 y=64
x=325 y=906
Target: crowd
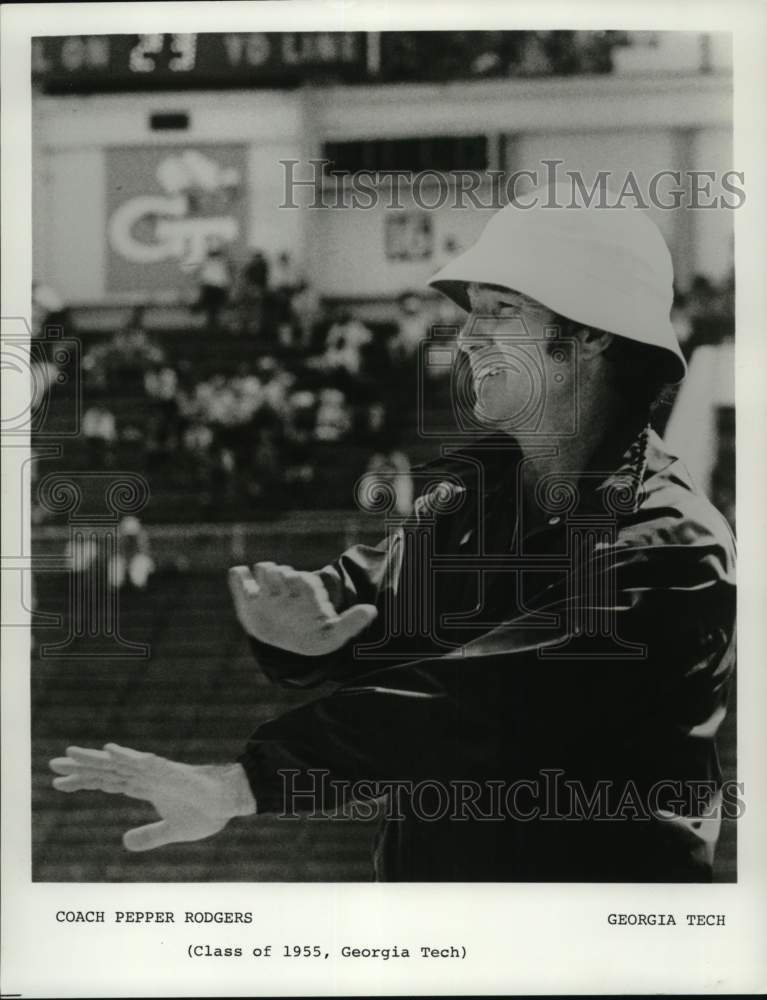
x=705 y=315
x=128 y=558
x=450 y=55
x=305 y=378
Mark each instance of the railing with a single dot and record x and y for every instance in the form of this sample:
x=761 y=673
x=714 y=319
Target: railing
x=303 y=539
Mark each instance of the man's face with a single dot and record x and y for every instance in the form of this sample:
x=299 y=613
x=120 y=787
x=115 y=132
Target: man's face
x=516 y=370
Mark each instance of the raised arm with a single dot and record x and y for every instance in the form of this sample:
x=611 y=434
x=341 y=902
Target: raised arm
x=497 y=707
x=502 y=705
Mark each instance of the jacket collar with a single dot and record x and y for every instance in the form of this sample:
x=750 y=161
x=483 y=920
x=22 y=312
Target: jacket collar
x=604 y=484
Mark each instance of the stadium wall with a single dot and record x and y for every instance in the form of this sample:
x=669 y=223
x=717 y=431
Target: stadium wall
x=665 y=121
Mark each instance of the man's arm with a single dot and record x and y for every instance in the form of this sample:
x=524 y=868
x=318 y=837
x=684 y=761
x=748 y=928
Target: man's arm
x=501 y=703
x=495 y=706
x=349 y=594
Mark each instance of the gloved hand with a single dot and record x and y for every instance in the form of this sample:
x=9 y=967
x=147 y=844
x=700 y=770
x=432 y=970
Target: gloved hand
x=193 y=801
x=290 y=609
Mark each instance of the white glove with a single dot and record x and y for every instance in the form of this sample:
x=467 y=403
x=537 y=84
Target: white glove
x=193 y=801
x=290 y=609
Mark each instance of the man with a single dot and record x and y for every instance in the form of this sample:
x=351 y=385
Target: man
x=532 y=669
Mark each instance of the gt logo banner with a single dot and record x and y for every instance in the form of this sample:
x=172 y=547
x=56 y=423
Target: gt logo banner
x=166 y=208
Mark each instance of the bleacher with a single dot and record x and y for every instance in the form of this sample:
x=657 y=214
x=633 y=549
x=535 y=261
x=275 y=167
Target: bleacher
x=176 y=492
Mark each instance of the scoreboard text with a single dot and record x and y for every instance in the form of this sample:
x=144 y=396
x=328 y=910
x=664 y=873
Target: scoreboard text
x=83 y=63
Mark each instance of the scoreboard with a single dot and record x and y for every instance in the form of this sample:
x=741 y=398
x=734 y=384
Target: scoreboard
x=102 y=63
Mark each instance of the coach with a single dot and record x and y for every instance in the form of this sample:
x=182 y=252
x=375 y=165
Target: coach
x=551 y=631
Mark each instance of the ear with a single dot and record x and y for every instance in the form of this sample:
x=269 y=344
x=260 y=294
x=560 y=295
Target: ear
x=592 y=343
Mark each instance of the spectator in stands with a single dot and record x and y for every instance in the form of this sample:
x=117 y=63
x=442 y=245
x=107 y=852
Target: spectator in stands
x=375 y=432
x=388 y=464
x=45 y=373
x=186 y=409
x=705 y=315
x=267 y=469
x=710 y=311
x=221 y=413
x=48 y=307
x=82 y=553
x=215 y=282
x=681 y=320
x=299 y=430
x=258 y=307
x=245 y=380
x=198 y=438
x=287 y=279
x=198 y=444
x=307 y=311
x=99 y=429
x=119 y=364
x=161 y=385
x=94 y=367
x=255 y=274
x=702 y=297
x=412 y=326
x=333 y=421
x=288 y=337
x=133 y=350
x=344 y=344
x=221 y=402
x=276 y=382
x=132 y=561
x=390 y=470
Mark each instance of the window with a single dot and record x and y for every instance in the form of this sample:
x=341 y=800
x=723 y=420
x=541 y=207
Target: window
x=440 y=153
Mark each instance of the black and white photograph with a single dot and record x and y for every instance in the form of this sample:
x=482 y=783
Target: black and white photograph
x=376 y=471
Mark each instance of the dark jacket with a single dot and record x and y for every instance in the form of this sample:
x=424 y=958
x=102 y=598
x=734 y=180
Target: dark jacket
x=542 y=687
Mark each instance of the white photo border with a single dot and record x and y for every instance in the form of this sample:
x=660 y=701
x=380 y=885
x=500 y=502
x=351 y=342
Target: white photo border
x=520 y=938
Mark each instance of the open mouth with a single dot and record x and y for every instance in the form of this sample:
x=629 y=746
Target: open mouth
x=486 y=370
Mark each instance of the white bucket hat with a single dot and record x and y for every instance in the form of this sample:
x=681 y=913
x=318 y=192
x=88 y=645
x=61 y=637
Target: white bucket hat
x=607 y=268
